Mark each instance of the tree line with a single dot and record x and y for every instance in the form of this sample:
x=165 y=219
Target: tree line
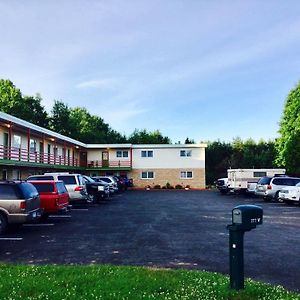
x=79 y=124
x=75 y=122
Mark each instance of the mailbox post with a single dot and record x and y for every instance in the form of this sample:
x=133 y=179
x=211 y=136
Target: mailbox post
x=244 y=218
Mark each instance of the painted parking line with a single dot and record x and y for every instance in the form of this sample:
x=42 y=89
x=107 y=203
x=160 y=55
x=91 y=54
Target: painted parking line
x=59 y=216
x=11 y=239
x=38 y=225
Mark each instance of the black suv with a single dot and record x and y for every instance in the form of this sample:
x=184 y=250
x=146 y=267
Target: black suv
x=96 y=190
x=19 y=203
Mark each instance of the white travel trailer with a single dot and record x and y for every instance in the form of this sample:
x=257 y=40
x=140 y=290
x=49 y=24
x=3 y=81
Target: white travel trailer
x=238 y=179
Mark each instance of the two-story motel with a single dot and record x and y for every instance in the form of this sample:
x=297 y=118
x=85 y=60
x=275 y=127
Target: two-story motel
x=27 y=149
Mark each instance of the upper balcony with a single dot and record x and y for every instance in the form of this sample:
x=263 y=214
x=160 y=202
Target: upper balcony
x=114 y=165
x=23 y=157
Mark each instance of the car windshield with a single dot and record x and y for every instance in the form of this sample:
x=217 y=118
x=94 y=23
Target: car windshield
x=28 y=190
x=67 y=179
x=89 y=179
x=264 y=180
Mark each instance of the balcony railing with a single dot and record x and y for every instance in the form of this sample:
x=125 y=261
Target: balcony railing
x=109 y=164
x=23 y=155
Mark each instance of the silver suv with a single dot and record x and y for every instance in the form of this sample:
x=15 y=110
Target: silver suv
x=73 y=182
x=19 y=203
x=269 y=187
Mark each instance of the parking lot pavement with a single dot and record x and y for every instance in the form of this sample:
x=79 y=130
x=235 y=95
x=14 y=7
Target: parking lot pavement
x=174 y=229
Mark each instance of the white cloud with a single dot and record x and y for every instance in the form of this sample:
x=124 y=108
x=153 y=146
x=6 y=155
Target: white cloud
x=105 y=83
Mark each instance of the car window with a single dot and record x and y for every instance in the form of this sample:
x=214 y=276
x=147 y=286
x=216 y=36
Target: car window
x=264 y=180
x=105 y=179
x=9 y=192
x=44 y=187
x=80 y=180
x=28 y=190
x=61 y=188
x=67 y=179
x=40 y=178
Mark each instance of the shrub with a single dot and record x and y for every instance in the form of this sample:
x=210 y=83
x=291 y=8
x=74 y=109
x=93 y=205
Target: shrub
x=178 y=187
x=168 y=185
x=157 y=187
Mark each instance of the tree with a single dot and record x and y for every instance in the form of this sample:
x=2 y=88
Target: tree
x=34 y=112
x=288 y=144
x=188 y=141
x=10 y=98
x=28 y=108
x=144 y=137
x=60 y=119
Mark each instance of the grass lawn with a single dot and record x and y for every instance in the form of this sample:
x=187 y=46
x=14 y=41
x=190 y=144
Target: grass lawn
x=119 y=282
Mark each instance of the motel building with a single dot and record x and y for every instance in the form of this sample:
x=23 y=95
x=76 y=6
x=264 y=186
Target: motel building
x=27 y=149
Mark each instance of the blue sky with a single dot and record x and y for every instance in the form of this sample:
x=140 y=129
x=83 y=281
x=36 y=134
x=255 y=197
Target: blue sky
x=204 y=69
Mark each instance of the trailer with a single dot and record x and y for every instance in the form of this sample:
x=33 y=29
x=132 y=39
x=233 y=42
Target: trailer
x=239 y=180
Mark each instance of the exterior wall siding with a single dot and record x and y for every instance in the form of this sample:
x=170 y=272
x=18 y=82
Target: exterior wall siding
x=171 y=176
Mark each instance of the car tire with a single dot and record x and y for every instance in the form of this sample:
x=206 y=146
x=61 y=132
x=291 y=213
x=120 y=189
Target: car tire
x=3 y=223
x=276 y=197
x=91 y=198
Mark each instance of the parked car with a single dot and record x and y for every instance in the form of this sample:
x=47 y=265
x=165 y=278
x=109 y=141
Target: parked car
x=120 y=183
x=110 y=180
x=290 y=194
x=269 y=187
x=222 y=185
x=73 y=182
x=53 y=195
x=96 y=190
x=19 y=203
x=128 y=181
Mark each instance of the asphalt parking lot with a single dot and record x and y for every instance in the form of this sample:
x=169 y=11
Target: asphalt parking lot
x=172 y=229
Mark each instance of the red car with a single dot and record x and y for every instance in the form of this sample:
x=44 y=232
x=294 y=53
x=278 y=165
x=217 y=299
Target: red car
x=54 y=196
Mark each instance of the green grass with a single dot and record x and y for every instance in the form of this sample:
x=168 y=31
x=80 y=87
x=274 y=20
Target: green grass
x=116 y=282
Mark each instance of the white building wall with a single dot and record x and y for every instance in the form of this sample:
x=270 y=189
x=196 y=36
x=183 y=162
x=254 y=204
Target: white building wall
x=168 y=158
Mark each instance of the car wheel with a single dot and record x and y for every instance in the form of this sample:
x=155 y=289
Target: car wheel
x=266 y=199
x=3 y=223
x=276 y=197
x=91 y=198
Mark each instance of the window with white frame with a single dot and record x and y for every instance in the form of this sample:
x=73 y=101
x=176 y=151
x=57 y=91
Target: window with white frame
x=147 y=175
x=122 y=153
x=185 y=153
x=148 y=153
x=186 y=174
x=17 y=141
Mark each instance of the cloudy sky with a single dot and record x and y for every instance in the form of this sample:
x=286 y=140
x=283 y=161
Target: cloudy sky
x=203 y=69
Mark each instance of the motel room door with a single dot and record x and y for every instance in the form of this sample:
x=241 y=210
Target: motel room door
x=83 y=159
x=105 y=159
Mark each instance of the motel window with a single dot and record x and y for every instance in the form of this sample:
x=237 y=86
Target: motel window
x=148 y=153
x=122 y=153
x=17 y=141
x=32 y=146
x=184 y=153
x=186 y=174
x=147 y=175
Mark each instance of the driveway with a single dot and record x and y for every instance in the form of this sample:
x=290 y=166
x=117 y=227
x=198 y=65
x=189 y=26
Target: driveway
x=172 y=229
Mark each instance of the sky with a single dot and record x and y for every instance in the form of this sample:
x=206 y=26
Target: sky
x=207 y=70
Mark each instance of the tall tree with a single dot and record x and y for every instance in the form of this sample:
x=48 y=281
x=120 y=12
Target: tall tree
x=144 y=137
x=34 y=112
x=10 y=98
x=288 y=144
x=60 y=119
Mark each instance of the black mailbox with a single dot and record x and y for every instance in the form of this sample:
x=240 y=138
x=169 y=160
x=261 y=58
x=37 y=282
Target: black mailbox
x=246 y=217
